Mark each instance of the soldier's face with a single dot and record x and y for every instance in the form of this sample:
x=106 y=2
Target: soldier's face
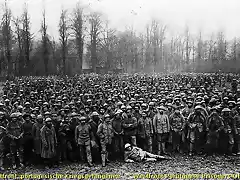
x=49 y=123
x=83 y=122
x=40 y=120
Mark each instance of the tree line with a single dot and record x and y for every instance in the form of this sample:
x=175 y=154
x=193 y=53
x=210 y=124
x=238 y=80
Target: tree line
x=87 y=38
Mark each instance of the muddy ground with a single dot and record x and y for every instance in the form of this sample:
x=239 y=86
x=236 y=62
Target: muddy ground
x=178 y=165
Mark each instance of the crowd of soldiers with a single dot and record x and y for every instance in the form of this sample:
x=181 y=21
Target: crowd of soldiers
x=50 y=120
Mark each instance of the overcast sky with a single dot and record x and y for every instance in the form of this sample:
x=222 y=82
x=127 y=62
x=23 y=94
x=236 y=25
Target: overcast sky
x=206 y=15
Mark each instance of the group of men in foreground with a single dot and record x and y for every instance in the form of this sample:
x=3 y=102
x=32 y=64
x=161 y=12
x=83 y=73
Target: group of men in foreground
x=50 y=120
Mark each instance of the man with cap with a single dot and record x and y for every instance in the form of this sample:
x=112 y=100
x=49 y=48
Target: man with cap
x=15 y=133
x=83 y=137
x=27 y=138
x=214 y=127
x=237 y=133
x=196 y=129
x=177 y=123
x=117 y=124
x=136 y=154
x=106 y=133
x=145 y=132
x=3 y=133
x=36 y=131
x=161 y=129
x=48 y=143
x=64 y=141
x=130 y=127
x=229 y=131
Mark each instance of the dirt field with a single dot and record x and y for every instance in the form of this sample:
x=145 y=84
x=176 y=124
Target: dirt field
x=179 y=165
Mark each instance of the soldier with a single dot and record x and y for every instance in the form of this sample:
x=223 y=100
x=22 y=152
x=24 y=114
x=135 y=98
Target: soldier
x=48 y=143
x=130 y=127
x=136 y=154
x=83 y=136
x=15 y=133
x=229 y=130
x=177 y=123
x=196 y=124
x=214 y=127
x=64 y=140
x=117 y=124
x=27 y=138
x=3 y=133
x=161 y=129
x=145 y=131
x=237 y=133
x=106 y=133
x=36 y=131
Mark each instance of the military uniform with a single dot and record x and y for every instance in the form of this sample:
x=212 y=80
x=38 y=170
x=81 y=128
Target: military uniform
x=214 y=127
x=161 y=129
x=130 y=129
x=83 y=139
x=106 y=133
x=145 y=132
x=3 y=133
x=15 y=132
x=177 y=123
x=196 y=129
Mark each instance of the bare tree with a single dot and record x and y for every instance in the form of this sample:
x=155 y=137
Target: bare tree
x=187 y=41
x=27 y=37
x=7 y=37
x=19 y=62
x=95 y=30
x=108 y=44
x=64 y=35
x=45 y=43
x=78 y=30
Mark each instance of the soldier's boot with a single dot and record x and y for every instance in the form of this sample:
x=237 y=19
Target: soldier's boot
x=107 y=157
x=103 y=156
x=1 y=164
x=150 y=148
x=21 y=160
x=164 y=149
x=159 y=149
x=191 y=149
x=89 y=159
x=230 y=148
x=14 y=166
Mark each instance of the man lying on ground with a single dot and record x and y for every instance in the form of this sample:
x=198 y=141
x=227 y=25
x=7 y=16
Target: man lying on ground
x=136 y=154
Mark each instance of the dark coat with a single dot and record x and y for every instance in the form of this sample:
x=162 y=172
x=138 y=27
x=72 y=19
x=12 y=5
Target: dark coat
x=48 y=142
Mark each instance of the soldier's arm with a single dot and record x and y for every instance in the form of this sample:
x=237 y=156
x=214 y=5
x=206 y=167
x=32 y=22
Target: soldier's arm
x=168 y=122
x=151 y=126
x=183 y=122
x=135 y=123
x=124 y=124
x=43 y=137
x=76 y=134
x=221 y=124
x=99 y=131
x=154 y=124
x=34 y=130
x=55 y=136
x=234 y=125
x=126 y=158
x=91 y=133
x=22 y=130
